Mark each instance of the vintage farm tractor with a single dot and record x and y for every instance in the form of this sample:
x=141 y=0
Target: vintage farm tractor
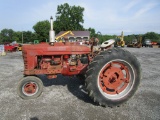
x=111 y=75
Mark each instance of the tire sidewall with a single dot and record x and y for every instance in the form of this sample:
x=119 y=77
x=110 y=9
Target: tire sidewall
x=129 y=59
x=26 y=80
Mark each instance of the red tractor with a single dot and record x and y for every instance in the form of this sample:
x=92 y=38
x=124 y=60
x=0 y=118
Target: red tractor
x=111 y=75
x=10 y=47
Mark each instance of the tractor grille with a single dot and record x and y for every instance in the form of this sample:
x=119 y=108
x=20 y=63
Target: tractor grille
x=25 y=59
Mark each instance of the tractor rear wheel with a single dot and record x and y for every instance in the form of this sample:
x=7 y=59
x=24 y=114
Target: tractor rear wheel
x=81 y=77
x=30 y=87
x=113 y=77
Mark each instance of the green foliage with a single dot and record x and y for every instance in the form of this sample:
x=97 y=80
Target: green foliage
x=128 y=39
x=149 y=35
x=152 y=36
x=107 y=37
x=68 y=18
x=7 y=35
x=17 y=36
x=28 y=36
x=92 y=32
x=100 y=37
x=42 y=30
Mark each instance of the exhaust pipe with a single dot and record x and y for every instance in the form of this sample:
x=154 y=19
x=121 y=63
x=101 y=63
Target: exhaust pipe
x=51 y=33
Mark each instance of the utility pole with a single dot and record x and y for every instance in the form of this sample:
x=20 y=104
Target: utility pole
x=22 y=37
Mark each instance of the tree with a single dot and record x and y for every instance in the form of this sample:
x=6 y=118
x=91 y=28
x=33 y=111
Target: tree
x=128 y=39
x=68 y=18
x=100 y=37
x=107 y=37
x=42 y=30
x=28 y=36
x=17 y=36
x=152 y=35
x=92 y=32
x=7 y=35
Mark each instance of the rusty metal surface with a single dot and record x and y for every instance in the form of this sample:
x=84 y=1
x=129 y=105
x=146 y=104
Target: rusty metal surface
x=32 y=52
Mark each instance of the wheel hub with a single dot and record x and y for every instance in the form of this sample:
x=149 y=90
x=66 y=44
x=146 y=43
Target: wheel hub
x=114 y=78
x=30 y=88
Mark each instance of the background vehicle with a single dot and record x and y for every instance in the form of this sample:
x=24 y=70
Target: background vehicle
x=120 y=41
x=59 y=38
x=136 y=43
x=147 y=43
x=154 y=43
x=19 y=48
x=110 y=78
x=10 y=47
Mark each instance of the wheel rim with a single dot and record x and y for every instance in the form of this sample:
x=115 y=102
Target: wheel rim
x=116 y=79
x=30 y=88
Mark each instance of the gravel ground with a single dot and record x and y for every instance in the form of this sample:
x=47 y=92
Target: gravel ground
x=64 y=99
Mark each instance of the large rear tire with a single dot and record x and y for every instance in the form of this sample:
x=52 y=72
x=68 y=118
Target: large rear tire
x=30 y=87
x=113 y=77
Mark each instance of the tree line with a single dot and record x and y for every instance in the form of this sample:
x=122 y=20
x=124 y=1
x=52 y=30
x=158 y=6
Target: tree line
x=67 y=18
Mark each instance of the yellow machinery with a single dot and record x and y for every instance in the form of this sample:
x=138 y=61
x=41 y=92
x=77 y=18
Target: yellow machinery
x=60 y=36
x=136 y=43
x=139 y=43
x=121 y=41
x=19 y=48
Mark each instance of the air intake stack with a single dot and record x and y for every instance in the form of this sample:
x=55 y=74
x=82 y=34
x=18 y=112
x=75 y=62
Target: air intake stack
x=51 y=32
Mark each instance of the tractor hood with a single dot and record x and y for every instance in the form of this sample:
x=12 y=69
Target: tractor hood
x=56 y=49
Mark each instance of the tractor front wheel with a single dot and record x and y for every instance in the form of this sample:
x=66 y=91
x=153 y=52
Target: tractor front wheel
x=113 y=77
x=30 y=87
